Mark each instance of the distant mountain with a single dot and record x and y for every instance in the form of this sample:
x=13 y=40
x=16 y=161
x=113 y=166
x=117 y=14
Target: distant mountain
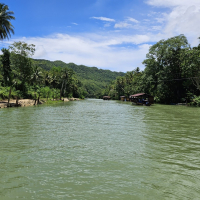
x=94 y=80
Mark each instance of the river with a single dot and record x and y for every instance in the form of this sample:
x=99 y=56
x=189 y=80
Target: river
x=95 y=149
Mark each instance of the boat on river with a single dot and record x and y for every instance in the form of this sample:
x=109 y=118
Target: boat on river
x=106 y=98
x=141 y=99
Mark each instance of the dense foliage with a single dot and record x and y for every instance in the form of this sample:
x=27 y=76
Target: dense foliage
x=6 y=28
x=172 y=74
x=93 y=80
x=20 y=77
x=24 y=77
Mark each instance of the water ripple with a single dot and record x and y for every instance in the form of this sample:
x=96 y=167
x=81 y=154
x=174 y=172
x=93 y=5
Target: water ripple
x=97 y=149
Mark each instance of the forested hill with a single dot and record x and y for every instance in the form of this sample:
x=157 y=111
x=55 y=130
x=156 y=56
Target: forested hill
x=92 y=78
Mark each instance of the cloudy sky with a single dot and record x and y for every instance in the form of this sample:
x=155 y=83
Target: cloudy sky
x=108 y=34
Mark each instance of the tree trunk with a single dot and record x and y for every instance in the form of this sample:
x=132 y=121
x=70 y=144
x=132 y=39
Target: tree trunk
x=38 y=101
x=35 y=100
x=17 y=101
x=9 y=97
x=61 y=90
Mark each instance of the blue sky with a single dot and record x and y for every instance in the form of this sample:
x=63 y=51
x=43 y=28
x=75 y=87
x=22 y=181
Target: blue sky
x=108 y=34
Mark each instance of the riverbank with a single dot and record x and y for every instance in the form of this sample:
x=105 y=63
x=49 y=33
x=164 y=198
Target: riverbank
x=31 y=102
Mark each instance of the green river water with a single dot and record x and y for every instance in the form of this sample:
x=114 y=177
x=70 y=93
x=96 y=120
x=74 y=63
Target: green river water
x=95 y=149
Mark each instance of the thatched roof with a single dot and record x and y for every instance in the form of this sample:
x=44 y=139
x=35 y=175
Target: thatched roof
x=106 y=96
x=139 y=95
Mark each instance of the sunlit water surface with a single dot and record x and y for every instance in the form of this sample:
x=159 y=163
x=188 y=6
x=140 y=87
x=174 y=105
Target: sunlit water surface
x=95 y=149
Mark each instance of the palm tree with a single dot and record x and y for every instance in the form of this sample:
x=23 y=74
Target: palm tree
x=47 y=79
x=37 y=76
x=6 y=28
x=64 y=80
x=36 y=79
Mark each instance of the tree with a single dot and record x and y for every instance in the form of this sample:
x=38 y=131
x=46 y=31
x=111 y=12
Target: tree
x=7 y=71
x=6 y=68
x=23 y=49
x=120 y=84
x=37 y=76
x=164 y=69
x=70 y=82
x=47 y=79
x=191 y=65
x=64 y=78
x=6 y=28
x=21 y=61
x=36 y=79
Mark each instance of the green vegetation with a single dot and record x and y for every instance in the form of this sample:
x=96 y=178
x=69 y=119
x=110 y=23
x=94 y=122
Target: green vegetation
x=23 y=77
x=6 y=28
x=93 y=80
x=172 y=74
x=20 y=77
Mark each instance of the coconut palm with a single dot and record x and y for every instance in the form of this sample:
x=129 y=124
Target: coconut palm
x=67 y=81
x=37 y=76
x=47 y=79
x=6 y=28
x=37 y=79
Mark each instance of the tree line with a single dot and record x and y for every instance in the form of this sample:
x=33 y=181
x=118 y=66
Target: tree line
x=171 y=74
x=93 y=80
x=20 y=77
x=23 y=77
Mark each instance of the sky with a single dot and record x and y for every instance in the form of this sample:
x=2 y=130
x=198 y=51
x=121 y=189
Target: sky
x=108 y=34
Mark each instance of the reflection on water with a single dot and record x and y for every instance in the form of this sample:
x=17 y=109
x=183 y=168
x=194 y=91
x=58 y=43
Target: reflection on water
x=95 y=149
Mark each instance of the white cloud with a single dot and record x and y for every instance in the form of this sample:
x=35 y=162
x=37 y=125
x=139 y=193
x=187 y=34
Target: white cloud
x=171 y=3
x=132 y=20
x=75 y=24
x=104 y=19
x=123 y=25
x=98 y=50
x=156 y=28
x=183 y=18
x=40 y=51
x=160 y=20
x=107 y=25
x=127 y=23
x=152 y=13
x=122 y=50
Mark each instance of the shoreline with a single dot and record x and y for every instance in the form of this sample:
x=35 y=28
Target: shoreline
x=31 y=102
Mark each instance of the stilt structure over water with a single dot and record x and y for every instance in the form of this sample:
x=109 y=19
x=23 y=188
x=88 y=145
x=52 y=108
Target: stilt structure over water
x=106 y=98
x=142 y=99
x=124 y=98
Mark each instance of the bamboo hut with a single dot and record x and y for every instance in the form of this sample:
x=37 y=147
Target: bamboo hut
x=106 y=98
x=124 y=98
x=142 y=99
